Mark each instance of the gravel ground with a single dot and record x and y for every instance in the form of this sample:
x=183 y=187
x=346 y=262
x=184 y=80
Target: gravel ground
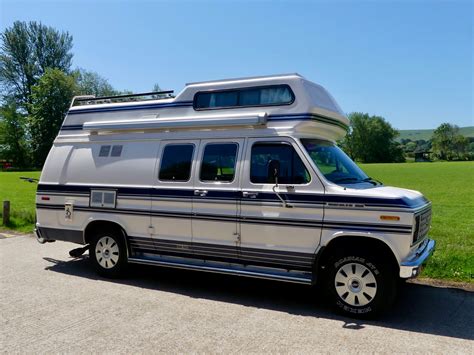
x=53 y=303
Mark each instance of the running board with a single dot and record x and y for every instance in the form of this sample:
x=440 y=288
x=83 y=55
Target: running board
x=296 y=278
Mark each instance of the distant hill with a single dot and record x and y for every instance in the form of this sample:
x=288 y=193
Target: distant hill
x=417 y=134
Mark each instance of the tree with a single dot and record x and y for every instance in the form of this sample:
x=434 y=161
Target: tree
x=50 y=102
x=27 y=51
x=12 y=136
x=91 y=83
x=157 y=88
x=448 y=143
x=371 y=139
x=410 y=147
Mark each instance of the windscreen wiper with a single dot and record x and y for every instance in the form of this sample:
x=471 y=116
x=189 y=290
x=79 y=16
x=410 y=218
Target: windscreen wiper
x=347 y=179
x=372 y=181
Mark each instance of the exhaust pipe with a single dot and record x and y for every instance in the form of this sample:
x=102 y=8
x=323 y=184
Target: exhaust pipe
x=39 y=238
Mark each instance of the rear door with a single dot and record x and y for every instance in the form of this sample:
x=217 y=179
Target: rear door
x=215 y=226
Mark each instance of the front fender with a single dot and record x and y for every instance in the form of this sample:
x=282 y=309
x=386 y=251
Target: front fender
x=399 y=244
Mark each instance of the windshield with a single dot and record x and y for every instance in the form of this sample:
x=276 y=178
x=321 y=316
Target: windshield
x=336 y=166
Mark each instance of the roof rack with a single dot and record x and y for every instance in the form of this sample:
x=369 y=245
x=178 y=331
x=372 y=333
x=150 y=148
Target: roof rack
x=92 y=100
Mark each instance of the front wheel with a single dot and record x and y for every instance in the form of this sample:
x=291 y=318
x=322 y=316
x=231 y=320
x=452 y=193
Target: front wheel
x=360 y=286
x=108 y=253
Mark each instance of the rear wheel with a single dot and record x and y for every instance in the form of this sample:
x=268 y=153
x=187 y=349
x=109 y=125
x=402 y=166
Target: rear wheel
x=360 y=285
x=108 y=253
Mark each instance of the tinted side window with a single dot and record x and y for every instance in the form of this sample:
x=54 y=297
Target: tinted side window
x=256 y=96
x=218 y=162
x=222 y=99
x=292 y=169
x=176 y=162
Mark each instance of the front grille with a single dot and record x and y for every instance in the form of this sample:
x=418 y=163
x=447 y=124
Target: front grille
x=422 y=225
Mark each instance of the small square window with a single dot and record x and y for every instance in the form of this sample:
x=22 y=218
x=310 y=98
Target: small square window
x=104 y=151
x=109 y=198
x=96 y=198
x=116 y=151
x=102 y=198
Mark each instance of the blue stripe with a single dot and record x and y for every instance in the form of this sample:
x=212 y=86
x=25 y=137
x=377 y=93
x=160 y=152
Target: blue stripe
x=129 y=108
x=401 y=202
x=347 y=226
x=307 y=116
x=72 y=127
x=280 y=117
x=279 y=259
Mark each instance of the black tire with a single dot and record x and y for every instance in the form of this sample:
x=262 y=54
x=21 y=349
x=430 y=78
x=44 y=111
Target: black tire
x=108 y=253
x=359 y=285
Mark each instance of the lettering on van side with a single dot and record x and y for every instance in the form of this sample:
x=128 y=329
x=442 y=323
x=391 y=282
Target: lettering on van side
x=354 y=205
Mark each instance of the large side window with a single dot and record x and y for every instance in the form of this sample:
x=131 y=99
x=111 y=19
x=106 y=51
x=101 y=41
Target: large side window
x=292 y=169
x=218 y=162
x=244 y=97
x=176 y=162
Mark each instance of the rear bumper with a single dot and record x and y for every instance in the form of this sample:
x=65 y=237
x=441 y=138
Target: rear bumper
x=411 y=268
x=46 y=234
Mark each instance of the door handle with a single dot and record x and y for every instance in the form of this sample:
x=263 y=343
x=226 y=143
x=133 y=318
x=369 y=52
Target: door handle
x=201 y=193
x=249 y=194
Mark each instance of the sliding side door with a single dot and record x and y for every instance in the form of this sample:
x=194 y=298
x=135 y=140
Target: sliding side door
x=215 y=227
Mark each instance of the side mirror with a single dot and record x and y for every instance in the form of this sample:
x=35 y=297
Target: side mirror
x=273 y=175
x=273 y=171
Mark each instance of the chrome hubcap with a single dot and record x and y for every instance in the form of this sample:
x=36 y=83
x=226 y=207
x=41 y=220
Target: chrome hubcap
x=355 y=284
x=107 y=252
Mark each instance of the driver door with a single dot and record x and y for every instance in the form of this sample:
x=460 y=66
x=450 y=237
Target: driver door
x=273 y=234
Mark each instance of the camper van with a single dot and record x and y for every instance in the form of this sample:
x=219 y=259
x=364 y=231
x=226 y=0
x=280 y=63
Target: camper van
x=238 y=176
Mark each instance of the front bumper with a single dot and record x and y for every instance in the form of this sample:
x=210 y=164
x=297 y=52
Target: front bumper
x=412 y=267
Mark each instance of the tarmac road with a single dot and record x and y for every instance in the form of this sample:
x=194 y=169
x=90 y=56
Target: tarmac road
x=53 y=303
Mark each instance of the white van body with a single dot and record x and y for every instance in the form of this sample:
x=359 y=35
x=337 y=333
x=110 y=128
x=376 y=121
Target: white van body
x=103 y=171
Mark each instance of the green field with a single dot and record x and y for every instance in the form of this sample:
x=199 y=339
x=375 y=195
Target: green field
x=21 y=195
x=450 y=187
x=426 y=134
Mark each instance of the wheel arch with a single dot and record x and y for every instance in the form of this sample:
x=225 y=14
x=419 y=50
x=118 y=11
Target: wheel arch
x=348 y=242
x=99 y=224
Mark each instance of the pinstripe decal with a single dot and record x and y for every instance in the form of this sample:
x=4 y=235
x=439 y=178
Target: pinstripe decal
x=353 y=226
x=272 y=117
x=273 y=258
x=91 y=109
x=307 y=116
x=188 y=194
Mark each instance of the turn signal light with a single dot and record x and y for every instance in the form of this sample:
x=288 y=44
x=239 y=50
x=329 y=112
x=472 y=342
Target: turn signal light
x=389 y=218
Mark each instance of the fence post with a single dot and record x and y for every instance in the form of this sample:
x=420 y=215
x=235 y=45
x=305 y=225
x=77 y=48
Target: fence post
x=6 y=212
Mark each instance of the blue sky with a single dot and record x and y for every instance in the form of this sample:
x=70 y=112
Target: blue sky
x=409 y=61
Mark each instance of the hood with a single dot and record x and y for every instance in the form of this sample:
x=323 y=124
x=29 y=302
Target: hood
x=380 y=196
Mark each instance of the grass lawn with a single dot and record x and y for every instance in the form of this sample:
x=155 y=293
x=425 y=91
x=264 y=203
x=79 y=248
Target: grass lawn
x=449 y=186
x=21 y=195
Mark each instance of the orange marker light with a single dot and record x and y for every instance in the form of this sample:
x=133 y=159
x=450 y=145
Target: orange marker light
x=389 y=218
